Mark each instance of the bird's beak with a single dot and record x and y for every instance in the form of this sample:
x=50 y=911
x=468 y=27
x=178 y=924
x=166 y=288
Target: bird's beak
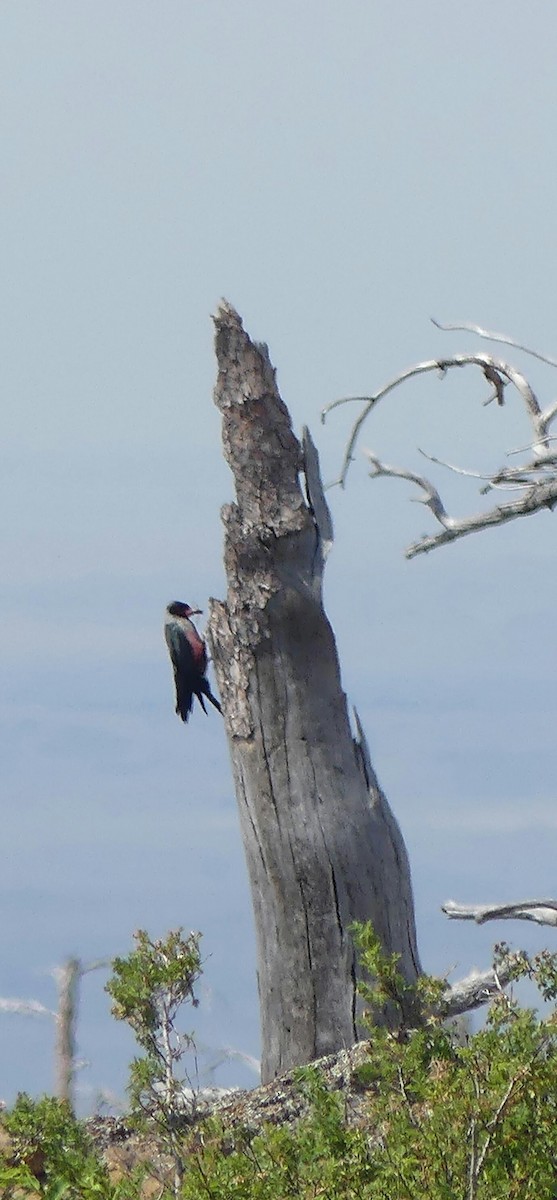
x=195 y=611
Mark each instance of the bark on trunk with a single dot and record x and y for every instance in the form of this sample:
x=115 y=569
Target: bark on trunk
x=322 y=846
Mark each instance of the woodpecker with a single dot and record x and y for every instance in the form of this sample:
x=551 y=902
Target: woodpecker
x=188 y=655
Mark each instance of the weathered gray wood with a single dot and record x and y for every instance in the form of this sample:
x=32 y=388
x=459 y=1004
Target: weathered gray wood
x=543 y=912
x=68 y=978
x=322 y=846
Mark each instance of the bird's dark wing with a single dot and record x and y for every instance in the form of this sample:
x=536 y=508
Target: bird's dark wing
x=184 y=667
x=189 y=662
x=178 y=646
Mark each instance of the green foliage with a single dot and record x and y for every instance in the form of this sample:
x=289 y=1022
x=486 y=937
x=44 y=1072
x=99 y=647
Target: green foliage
x=473 y=1121
x=148 y=988
x=442 y=1121
x=323 y=1157
x=387 y=982
x=439 y=1121
x=52 y=1155
x=149 y=985
x=383 y=984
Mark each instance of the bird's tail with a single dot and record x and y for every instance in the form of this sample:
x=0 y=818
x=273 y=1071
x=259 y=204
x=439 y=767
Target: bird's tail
x=205 y=690
x=184 y=702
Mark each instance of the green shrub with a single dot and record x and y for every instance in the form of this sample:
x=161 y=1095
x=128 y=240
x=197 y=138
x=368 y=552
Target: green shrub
x=52 y=1155
x=440 y=1121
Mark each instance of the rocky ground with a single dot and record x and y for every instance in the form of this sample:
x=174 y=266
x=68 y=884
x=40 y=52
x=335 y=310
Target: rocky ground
x=276 y=1103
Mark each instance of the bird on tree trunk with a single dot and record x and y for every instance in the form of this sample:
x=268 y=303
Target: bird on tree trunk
x=188 y=655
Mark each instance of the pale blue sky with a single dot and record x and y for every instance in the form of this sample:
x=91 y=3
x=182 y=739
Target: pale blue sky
x=341 y=172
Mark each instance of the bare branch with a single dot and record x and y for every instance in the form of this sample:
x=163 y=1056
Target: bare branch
x=27 y=1008
x=535 y=479
x=432 y=498
x=97 y=965
x=473 y=1138
x=469 y=327
x=441 y=462
x=514 y=1084
x=475 y=989
x=530 y=446
x=538 y=496
x=498 y=373
x=549 y=415
x=507 y=479
x=543 y=912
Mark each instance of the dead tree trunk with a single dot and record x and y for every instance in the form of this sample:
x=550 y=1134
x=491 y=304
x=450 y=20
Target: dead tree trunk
x=68 y=978
x=322 y=846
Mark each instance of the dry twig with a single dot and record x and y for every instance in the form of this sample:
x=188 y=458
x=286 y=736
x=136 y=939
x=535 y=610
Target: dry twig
x=535 y=478
x=490 y=336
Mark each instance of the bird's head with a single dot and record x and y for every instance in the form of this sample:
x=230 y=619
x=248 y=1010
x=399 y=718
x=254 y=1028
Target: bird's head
x=179 y=609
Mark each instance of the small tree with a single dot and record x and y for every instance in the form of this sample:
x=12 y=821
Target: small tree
x=148 y=988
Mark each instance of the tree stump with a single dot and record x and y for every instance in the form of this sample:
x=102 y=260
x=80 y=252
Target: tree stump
x=322 y=846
